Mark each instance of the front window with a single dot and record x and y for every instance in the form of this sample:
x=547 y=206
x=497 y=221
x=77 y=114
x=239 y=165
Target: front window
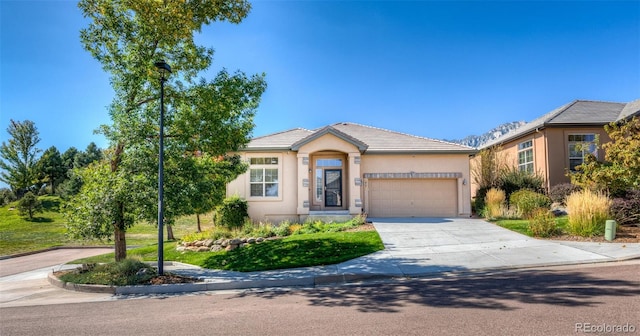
x=264 y=177
x=525 y=156
x=580 y=145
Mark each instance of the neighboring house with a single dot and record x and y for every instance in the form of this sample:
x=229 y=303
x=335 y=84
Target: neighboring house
x=348 y=169
x=558 y=142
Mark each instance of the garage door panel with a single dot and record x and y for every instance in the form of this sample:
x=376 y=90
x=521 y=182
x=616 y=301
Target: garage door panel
x=412 y=198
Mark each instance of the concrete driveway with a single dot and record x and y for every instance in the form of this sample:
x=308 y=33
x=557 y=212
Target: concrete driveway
x=426 y=245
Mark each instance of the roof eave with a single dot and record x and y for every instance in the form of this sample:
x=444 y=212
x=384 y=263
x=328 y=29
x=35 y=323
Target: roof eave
x=264 y=149
x=415 y=151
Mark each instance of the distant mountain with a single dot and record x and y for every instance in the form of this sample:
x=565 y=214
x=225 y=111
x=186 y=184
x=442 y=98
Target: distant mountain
x=479 y=140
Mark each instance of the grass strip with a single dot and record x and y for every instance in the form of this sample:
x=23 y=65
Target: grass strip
x=290 y=252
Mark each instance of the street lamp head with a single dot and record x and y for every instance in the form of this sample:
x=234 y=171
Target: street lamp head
x=163 y=67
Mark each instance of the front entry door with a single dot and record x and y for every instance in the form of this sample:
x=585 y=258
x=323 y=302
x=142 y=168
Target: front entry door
x=333 y=187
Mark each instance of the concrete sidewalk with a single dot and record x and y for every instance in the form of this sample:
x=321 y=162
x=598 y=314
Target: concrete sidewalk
x=416 y=247
x=421 y=247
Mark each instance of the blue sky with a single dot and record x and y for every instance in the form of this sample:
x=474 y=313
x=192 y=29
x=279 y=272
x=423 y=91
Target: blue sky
x=433 y=69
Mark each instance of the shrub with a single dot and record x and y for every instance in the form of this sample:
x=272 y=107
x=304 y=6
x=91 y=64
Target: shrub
x=588 y=212
x=560 y=192
x=263 y=230
x=542 y=223
x=232 y=213
x=121 y=273
x=6 y=196
x=282 y=229
x=479 y=201
x=311 y=227
x=294 y=228
x=514 y=179
x=626 y=211
x=29 y=205
x=526 y=201
x=494 y=203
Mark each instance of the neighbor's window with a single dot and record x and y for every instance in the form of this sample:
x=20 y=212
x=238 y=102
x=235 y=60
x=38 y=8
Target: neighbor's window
x=579 y=146
x=525 y=156
x=263 y=177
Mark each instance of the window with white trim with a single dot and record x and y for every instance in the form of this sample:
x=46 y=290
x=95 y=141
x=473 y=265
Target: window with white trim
x=580 y=145
x=263 y=177
x=525 y=156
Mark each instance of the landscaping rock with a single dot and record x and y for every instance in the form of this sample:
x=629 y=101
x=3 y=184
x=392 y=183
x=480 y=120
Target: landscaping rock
x=218 y=244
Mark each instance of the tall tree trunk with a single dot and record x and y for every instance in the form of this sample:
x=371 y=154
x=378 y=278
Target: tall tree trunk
x=119 y=227
x=121 y=242
x=53 y=184
x=198 y=220
x=170 y=232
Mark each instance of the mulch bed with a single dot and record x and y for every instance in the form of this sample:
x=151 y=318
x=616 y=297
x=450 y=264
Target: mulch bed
x=169 y=278
x=624 y=234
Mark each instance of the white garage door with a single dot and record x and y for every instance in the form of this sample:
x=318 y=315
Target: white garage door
x=413 y=198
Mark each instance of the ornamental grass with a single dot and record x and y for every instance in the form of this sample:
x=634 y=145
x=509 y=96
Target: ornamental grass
x=588 y=212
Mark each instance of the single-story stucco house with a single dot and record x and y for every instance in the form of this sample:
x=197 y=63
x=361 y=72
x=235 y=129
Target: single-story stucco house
x=347 y=169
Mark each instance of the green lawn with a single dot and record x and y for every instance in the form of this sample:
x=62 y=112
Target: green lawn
x=522 y=225
x=289 y=252
x=19 y=235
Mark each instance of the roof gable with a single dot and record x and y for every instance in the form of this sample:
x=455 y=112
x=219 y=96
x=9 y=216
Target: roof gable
x=330 y=130
x=365 y=138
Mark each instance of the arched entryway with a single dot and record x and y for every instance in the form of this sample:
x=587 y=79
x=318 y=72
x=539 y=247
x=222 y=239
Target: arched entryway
x=329 y=176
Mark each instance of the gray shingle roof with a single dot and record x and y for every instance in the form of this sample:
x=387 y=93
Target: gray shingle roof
x=578 y=112
x=368 y=139
x=280 y=140
x=588 y=112
x=631 y=109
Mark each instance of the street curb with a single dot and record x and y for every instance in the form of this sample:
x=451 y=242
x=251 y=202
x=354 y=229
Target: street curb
x=23 y=254
x=299 y=281
x=54 y=280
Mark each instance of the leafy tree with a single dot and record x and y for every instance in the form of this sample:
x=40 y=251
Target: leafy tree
x=19 y=156
x=69 y=157
x=91 y=154
x=620 y=170
x=204 y=194
x=487 y=168
x=51 y=168
x=6 y=196
x=105 y=206
x=210 y=117
x=73 y=158
x=29 y=205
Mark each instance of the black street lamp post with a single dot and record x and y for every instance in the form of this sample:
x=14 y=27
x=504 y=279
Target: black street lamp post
x=165 y=70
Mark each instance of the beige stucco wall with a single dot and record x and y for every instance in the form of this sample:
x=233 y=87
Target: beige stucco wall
x=295 y=178
x=550 y=152
x=558 y=144
x=273 y=209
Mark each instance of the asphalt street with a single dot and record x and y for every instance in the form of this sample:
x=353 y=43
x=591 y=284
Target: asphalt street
x=561 y=300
